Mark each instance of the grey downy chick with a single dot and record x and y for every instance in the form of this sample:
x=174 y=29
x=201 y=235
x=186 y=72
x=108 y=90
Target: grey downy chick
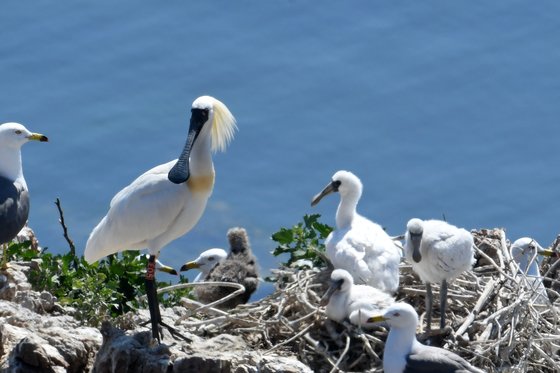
x=240 y=266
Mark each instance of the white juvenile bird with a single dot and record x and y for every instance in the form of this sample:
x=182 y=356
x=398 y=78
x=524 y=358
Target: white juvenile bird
x=205 y=262
x=356 y=303
x=438 y=252
x=359 y=245
x=525 y=252
x=167 y=201
x=404 y=354
x=14 y=195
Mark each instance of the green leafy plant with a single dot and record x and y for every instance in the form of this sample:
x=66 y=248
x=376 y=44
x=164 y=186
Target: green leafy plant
x=110 y=287
x=303 y=242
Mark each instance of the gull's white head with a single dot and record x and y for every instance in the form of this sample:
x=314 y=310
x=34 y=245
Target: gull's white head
x=525 y=253
x=343 y=182
x=525 y=247
x=398 y=315
x=15 y=135
x=206 y=261
x=223 y=122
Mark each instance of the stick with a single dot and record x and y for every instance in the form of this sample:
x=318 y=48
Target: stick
x=65 y=233
x=478 y=306
x=289 y=340
x=344 y=352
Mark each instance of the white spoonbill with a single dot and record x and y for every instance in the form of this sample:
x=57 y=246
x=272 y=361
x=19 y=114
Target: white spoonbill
x=14 y=195
x=205 y=262
x=167 y=201
x=357 y=303
x=403 y=353
x=525 y=252
x=438 y=252
x=359 y=245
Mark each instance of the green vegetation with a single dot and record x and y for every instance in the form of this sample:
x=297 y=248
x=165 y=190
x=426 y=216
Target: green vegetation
x=110 y=287
x=303 y=242
x=114 y=285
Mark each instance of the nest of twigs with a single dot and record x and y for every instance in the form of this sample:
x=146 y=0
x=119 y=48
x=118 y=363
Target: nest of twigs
x=494 y=320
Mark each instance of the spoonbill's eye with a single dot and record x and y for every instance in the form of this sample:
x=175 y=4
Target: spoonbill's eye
x=18 y=132
x=211 y=258
x=396 y=314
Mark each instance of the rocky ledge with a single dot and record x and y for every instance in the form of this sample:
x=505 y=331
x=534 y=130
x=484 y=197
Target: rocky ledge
x=38 y=335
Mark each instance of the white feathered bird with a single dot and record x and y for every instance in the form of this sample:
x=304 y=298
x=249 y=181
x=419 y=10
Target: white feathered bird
x=438 y=252
x=525 y=252
x=359 y=245
x=14 y=195
x=356 y=303
x=205 y=262
x=167 y=201
x=404 y=354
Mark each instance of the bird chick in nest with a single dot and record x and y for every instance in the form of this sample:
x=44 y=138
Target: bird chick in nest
x=240 y=266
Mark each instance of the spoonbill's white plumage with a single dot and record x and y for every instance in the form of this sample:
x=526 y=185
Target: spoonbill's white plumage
x=240 y=267
x=166 y=202
x=438 y=252
x=359 y=245
x=205 y=262
x=525 y=252
x=14 y=195
x=356 y=303
x=404 y=354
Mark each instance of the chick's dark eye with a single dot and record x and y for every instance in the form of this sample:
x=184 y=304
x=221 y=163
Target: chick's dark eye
x=211 y=258
x=396 y=314
x=18 y=132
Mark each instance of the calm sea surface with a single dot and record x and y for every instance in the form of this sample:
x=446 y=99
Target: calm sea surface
x=441 y=108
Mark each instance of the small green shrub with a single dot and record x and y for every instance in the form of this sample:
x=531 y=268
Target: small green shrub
x=109 y=287
x=303 y=242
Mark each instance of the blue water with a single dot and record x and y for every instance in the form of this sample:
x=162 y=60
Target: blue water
x=442 y=108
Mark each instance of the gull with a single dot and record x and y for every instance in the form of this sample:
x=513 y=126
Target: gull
x=240 y=267
x=357 y=244
x=525 y=251
x=404 y=354
x=205 y=262
x=14 y=194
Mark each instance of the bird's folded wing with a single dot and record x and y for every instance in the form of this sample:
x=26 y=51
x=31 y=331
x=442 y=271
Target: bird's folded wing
x=431 y=359
x=141 y=211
